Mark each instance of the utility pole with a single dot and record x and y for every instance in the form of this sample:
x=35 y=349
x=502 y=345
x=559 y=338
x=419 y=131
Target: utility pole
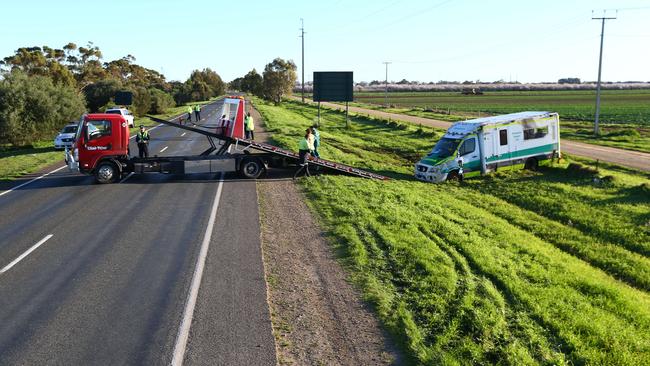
x=302 y=35
x=386 y=83
x=600 y=68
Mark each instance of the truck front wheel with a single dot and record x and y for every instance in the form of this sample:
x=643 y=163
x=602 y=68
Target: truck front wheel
x=106 y=172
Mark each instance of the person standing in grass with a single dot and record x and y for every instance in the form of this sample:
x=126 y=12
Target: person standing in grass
x=249 y=126
x=316 y=134
x=303 y=152
x=310 y=140
x=189 y=113
x=197 y=112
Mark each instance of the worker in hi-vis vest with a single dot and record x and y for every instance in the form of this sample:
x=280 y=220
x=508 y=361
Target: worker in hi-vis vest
x=197 y=112
x=249 y=126
x=142 y=139
x=303 y=152
x=189 y=113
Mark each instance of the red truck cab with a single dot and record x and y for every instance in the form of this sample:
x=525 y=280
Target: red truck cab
x=101 y=139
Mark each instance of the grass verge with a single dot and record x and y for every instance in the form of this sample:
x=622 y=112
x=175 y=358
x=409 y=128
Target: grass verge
x=548 y=267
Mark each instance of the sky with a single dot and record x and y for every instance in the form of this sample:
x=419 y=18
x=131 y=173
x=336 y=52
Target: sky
x=511 y=40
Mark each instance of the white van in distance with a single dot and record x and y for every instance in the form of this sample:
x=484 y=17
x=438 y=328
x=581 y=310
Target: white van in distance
x=486 y=144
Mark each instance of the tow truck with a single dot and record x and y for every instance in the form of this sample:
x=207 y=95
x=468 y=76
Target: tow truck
x=101 y=148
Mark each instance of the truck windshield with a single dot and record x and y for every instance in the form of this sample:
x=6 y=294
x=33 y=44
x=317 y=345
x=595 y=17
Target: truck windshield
x=444 y=148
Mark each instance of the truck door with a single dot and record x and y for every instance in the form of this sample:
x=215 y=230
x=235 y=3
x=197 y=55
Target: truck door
x=96 y=141
x=503 y=144
x=469 y=153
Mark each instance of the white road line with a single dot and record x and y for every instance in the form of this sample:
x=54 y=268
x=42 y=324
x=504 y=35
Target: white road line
x=127 y=177
x=164 y=148
x=188 y=313
x=22 y=256
x=33 y=180
x=183 y=134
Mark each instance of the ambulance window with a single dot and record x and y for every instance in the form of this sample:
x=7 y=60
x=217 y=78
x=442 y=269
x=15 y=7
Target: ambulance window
x=503 y=137
x=468 y=146
x=535 y=133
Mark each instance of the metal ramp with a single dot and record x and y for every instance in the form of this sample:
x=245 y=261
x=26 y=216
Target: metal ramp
x=267 y=148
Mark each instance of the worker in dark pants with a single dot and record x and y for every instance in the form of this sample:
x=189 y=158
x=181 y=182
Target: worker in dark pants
x=249 y=127
x=316 y=134
x=142 y=139
x=189 y=113
x=303 y=153
x=197 y=112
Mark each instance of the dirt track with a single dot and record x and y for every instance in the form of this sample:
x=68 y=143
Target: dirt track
x=627 y=158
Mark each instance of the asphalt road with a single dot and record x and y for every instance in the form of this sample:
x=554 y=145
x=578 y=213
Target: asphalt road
x=110 y=286
x=627 y=158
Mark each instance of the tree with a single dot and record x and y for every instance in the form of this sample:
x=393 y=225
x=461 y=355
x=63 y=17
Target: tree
x=101 y=93
x=34 y=107
x=278 y=79
x=160 y=101
x=252 y=83
x=205 y=84
x=40 y=61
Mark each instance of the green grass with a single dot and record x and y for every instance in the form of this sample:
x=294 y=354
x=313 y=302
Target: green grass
x=618 y=106
x=18 y=161
x=548 y=267
x=630 y=136
x=15 y=162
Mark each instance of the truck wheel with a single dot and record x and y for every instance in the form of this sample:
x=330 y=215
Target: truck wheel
x=106 y=173
x=531 y=164
x=251 y=168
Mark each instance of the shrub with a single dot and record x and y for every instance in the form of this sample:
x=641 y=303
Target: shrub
x=160 y=101
x=33 y=108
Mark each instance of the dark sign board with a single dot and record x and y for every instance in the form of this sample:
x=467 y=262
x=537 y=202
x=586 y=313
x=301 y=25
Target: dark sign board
x=123 y=98
x=332 y=86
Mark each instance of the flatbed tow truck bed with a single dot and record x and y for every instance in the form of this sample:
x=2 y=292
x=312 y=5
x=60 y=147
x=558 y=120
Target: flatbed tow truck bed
x=251 y=165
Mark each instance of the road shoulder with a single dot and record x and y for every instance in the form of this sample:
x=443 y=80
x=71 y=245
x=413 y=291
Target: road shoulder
x=318 y=316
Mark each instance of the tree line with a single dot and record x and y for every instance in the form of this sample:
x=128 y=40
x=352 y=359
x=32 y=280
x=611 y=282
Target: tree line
x=43 y=88
x=277 y=80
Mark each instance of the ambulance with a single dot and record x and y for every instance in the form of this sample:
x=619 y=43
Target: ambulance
x=484 y=145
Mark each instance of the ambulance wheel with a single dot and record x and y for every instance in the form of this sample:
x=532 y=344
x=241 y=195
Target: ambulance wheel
x=454 y=176
x=106 y=172
x=531 y=164
x=251 y=168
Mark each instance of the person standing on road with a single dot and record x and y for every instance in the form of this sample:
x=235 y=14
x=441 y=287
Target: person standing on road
x=197 y=112
x=249 y=126
x=142 y=139
x=303 y=152
x=189 y=113
x=316 y=133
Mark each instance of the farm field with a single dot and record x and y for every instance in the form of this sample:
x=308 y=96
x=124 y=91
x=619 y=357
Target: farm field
x=625 y=114
x=521 y=267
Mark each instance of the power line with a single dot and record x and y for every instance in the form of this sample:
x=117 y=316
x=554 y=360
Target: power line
x=600 y=66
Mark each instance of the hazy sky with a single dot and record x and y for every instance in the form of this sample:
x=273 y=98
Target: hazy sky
x=430 y=40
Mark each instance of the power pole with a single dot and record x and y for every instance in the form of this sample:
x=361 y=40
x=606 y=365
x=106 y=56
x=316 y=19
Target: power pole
x=386 y=83
x=600 y=68
x=302 y=35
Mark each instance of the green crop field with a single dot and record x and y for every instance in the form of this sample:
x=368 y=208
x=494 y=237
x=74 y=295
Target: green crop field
x=548 y=267
x=625 y=118
x=617 y=106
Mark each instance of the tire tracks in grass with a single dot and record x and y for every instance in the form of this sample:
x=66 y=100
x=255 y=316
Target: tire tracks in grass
x=617 y=261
